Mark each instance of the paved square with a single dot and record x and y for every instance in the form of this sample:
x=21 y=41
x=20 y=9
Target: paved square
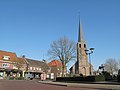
x=33 y=85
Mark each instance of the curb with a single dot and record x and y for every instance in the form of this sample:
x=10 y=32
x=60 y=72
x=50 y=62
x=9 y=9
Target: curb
x=53 y=83
x=84 y=85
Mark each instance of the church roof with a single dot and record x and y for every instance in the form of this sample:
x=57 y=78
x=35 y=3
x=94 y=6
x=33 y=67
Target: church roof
x=80 y=34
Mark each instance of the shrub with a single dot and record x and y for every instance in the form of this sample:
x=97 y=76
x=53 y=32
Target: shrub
x=69 y=75
x=16 y=78
x=20 y=78
x=118 y=78
x=100 y=78
x=11 y=78
x=95 y=78
x=107 y=76
x=119 y=72
x=81 y=75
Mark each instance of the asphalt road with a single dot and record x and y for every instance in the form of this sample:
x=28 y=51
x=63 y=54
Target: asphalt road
x=33 y=85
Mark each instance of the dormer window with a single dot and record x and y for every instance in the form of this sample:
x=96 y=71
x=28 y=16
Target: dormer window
x=6 y=57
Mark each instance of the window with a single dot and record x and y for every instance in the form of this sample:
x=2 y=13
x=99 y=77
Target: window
x=30 y=68
x=6 y=57
x=5 y=65
x=40 y=69
x=37 y=68
x=84 y=45
x=15 y=67
x=79 y=45
x=34 y=68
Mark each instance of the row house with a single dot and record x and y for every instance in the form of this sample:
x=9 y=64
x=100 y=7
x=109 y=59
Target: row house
x=36 y=68
x=8 y=64
x=11 y=65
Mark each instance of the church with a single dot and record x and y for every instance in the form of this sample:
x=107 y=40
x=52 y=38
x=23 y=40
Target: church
x=82 y=66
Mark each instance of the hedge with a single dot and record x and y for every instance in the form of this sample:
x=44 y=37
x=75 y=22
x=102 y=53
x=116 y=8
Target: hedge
x=81 y=79
x=66 y=79
x=95 y=78
x=118 y=78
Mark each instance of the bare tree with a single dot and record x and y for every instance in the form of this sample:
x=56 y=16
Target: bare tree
x=63 y=50
x=119 y=63
x=111 y=65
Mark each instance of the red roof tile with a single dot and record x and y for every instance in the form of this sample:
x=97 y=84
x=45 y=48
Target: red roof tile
x=12 y=55
x=55 y=63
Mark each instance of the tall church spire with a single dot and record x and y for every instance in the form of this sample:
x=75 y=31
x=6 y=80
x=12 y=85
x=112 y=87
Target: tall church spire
x=80 y=36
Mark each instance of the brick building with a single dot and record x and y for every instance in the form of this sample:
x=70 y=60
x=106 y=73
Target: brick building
x=55 y=69
x=11 y=65
x=36 y=67
x=8 y=64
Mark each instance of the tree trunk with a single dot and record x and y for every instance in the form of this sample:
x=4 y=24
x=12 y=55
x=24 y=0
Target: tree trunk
x=63 y=71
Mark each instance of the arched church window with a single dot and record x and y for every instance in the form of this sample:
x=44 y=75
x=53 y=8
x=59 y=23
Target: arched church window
x=84 y=45
x=79 y=45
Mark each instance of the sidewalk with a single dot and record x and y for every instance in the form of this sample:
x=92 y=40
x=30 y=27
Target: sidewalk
x=100 y=85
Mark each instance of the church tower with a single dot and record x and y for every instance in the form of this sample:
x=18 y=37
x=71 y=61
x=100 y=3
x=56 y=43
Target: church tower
x=82 y=65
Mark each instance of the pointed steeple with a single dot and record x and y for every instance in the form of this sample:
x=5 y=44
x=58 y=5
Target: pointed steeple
x=80 y=36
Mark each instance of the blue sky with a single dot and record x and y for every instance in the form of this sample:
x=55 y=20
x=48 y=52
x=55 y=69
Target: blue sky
x=28 y=27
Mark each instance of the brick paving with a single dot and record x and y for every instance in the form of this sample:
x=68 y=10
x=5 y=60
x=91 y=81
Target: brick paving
x=33 y=85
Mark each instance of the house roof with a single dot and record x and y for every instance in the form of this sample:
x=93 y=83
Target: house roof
x=36 y=63
x=54 y=63
x=12 y=56
x=21 y=60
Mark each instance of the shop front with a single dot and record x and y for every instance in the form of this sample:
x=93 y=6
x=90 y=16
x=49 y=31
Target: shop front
x=1 y=73
x=7 y=73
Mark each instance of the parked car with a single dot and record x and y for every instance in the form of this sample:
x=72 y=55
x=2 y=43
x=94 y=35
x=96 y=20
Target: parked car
x=29 y=76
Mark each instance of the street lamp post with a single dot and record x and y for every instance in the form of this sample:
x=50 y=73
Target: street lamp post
x=102 y=67
x=88 y=52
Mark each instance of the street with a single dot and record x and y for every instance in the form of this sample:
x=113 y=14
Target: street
x=33 y=85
